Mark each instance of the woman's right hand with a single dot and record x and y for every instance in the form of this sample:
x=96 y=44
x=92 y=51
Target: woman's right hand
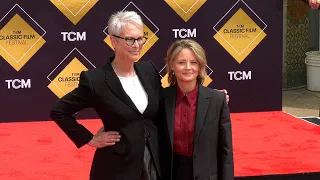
x=103 y=139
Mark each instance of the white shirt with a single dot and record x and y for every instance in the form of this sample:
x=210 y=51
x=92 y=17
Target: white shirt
x=134 y=89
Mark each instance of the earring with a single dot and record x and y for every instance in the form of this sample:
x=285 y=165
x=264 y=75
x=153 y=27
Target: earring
x=173 y=73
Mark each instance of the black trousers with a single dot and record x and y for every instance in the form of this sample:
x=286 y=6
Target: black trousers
x=182 y=167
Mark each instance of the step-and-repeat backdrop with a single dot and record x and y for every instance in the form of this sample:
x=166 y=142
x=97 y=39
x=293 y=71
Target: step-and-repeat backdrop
x=45 y=44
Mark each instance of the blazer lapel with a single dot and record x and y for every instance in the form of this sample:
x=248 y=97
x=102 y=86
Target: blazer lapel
x=202 y=106
x=170 y=105
x=114 y=84
x=145 y=83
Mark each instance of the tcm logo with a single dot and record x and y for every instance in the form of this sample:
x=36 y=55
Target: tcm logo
x=239 y=75
x=19 y=41
x=18 y=83
x=74 y=36
x=70 y=81
x=17 y=38
x=241 y=34
x=65 y=77
x=185 y=33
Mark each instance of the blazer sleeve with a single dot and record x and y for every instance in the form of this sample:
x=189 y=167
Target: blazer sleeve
x=63 y=110
x=225 y=149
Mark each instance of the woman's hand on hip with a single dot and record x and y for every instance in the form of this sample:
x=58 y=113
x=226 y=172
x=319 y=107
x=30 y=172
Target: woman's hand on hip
x=103 y=139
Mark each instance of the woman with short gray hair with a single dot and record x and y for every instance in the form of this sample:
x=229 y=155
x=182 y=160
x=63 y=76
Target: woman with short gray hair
x=125 y=94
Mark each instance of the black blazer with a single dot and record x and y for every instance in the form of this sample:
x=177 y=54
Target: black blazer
x=101 y=90
x=212 y=154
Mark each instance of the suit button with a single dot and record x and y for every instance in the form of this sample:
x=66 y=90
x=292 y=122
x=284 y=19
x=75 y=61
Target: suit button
x=194 y=156
x=197 y=177
x=146 y=136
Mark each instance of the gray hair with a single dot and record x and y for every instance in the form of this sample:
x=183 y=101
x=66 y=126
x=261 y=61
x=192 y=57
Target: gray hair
x=121 y=19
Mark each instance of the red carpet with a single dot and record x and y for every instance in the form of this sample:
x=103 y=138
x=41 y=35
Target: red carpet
x=274 y=143
x=264 y=143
